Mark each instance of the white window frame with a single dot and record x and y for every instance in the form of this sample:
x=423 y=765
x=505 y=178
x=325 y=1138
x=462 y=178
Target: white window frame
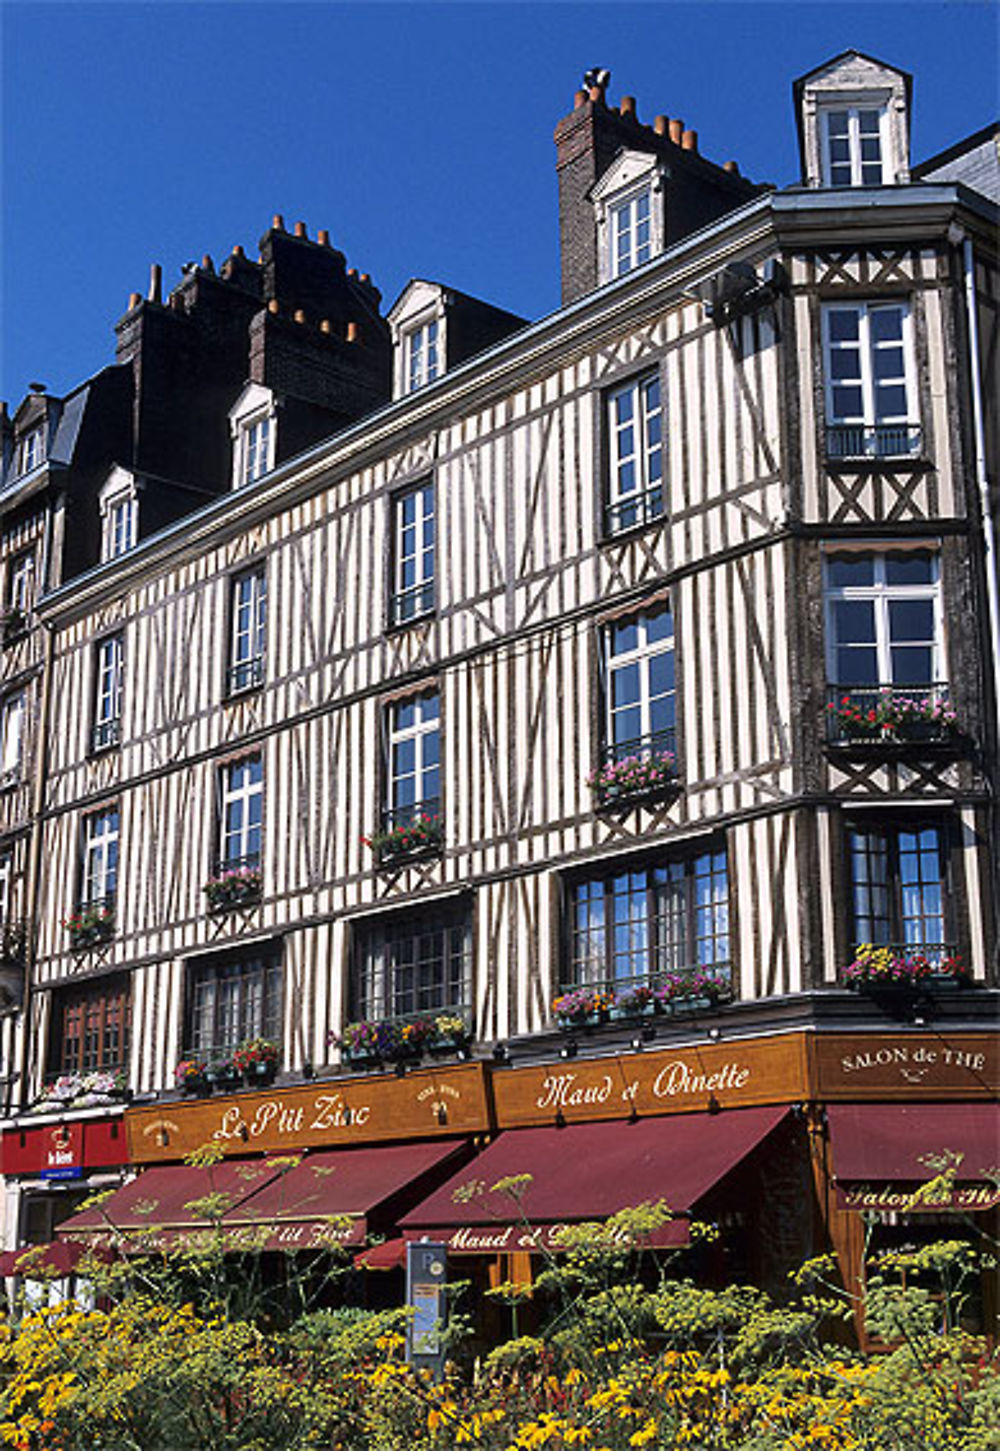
x=248 y=631
x=422 y=345
x=21 y=581
x=631 y=176
x=642 y=655
x=883 y=594
x=99 y=874
x=12 y=746
x=238 y=794
x=6 y=887
x=646 y=501
x=852 y=109
x=414 y=554
x=623 y=219
x=256 y=444
x=121 y=519
x=425 y=728
x=894 y=436
x=109 y=657
x=31 y=450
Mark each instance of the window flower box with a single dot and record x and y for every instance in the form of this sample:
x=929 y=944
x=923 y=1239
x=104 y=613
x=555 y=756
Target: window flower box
x=223 y=1074
x=234 y=887
x=257 y=1061
x=693 y=991
x=636 y=1002
x=82 y=1090
x=891 y=716
x=583 y=1007
x=422 y=835
x=449 y=1035
x=634 y=777
x=904 y=969
x=190 y=1076
x=90 y=926
x=13 y=624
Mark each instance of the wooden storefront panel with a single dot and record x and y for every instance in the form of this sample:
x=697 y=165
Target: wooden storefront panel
x=905 y=1065
x=337 y=1113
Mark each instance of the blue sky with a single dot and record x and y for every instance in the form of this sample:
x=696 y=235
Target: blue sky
x=419 y=134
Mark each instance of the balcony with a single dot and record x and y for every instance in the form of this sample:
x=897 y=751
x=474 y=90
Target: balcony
x=881 y=716
x=105 y=734
x=853 y=442
x=412 y=604
x=245 y=675
x=638 y=770
x=634 y=511
x=409 y=832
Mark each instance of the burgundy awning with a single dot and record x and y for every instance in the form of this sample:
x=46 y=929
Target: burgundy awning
x=328 y=1197
x=38 y=1261
x=588 y=1172
x=883 y=1153
x=389 y=1255
x=168 y=1201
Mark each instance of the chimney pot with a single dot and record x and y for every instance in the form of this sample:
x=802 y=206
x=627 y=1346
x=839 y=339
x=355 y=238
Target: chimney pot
x=732 y=167
x=661 y=126
x=689 y=140
x=300 y=229
x=278 y=222
x=579 y=99
x=325 y=325
x=365 y=279
x=299 y=315
x=627 y=106
x=133 y=300
x=352 y=272
x=237 y=250
x=207 y=264
x=323 y=237
x=597 y=93
x=676 y=128
x=155 y=282
x=273 y=307
x=353 y=332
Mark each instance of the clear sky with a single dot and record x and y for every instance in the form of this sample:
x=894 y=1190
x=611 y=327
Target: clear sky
x=419 y=134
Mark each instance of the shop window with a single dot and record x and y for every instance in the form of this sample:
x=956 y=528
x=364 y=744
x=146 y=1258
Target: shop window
x=230 y=1000
x=242 y=802
x=634 y=926
x=639 y=686
x=413 y=964
x=90 y=1027
x=899 y=887
x=248 y=637
x=108 y=659
x=870 y=387
x=12 y=719
x=635 y=448
x=413 y=539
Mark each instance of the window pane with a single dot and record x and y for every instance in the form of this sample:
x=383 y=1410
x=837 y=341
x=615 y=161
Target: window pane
x=911 y=620
x=915 y=568
x=854 y=621
x=844 y=324
x=846 y=570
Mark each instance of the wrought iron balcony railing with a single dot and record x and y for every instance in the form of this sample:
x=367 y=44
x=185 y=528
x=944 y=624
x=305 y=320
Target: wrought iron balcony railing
x=106 y=733
x=411 y=604
x=634 y=510
x=889 y=714
x=245 y=675
x=873 y=441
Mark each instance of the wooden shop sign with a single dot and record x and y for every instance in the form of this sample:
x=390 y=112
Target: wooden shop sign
x=338 y=1112
x=673 y=1080
x=904 y=1065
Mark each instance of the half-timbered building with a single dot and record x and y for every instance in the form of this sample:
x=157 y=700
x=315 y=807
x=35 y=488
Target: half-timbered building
x=604 y=696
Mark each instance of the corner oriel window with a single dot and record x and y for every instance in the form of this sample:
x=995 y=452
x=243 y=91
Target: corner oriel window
x=107 y=693
x=635 y=446
x=249 y=632
x=868 y=380
x=422 y=356
x=414 y=964
x=413 y=554
x=853 y=145
x=99 y=875
x=242 y=789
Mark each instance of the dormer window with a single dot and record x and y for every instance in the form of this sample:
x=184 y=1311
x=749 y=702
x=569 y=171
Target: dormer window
x=629 y=207
x=253 y=425
x=419 y=324
x=119 y=503
x=31 y=450
x=852 y=145
x=422 y=357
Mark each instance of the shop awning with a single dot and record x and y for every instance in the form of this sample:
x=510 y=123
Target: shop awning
x=167 y=1202
x=389 y=1255
x=587 y=1172
x=882 y=1154
x=39 y=1261
x=329 y=1196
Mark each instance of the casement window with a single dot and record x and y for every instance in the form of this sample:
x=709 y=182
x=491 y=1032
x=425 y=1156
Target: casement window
x=90 y=1027
x=635 y=447
x=108 y=660
x=632 y=925
x=99 y=868
x=884 y=624
x=248 y=638
x=413 y=554
x=413 y=964
x=256 y=444
x=242 y=801
x=853 y=145
x=413 y=777
x=230 y=1000
x=423 y=359
x=12 y=718
x=639 y=685
x=871 y=399
x=121 y=523
x=631 y=231
x=31 y=450
x=899 y=886
x=6 y=882
x=21 y=582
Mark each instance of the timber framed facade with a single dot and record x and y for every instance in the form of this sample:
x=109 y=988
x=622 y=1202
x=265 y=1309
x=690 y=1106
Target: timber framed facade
x=569 y=623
